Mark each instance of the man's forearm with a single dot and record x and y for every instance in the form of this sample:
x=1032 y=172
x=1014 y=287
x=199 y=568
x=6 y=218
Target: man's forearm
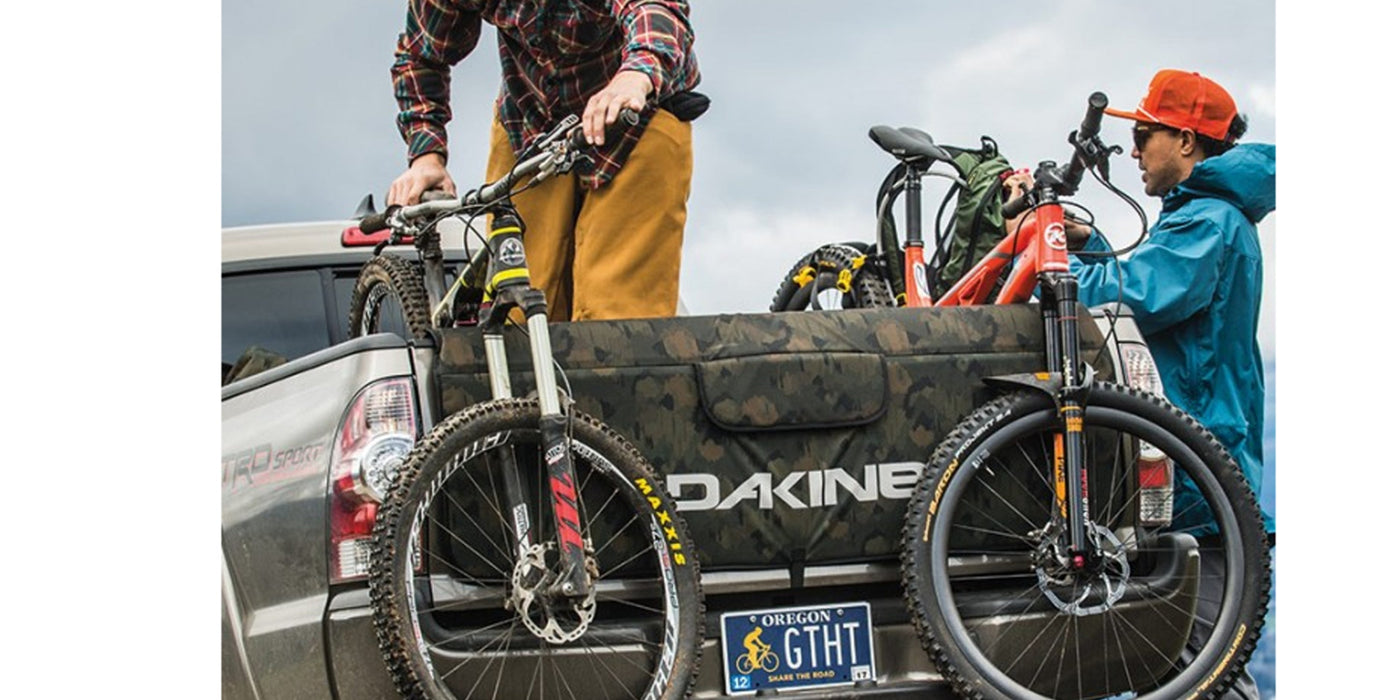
x=659 y=39
x=436 y=36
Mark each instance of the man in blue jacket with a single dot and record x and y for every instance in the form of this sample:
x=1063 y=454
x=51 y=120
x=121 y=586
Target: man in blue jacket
x=1195 y=284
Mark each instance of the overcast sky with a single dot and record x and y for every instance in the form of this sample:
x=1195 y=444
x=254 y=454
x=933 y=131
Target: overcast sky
x=783 y=162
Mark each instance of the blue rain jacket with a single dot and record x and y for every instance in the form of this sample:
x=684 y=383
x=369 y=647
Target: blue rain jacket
x=1195 y=286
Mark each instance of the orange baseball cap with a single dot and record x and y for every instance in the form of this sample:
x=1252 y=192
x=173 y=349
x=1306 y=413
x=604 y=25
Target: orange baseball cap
x=1184 y=100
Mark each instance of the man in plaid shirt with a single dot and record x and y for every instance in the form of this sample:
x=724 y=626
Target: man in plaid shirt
x=604 y=242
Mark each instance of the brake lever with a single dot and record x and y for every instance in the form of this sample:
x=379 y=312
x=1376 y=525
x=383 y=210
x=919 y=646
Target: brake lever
x=394 y=238
x=551 y=136
x=1110 y=151
x=1095 y=153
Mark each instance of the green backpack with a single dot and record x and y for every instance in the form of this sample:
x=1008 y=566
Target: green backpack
x=977 y=222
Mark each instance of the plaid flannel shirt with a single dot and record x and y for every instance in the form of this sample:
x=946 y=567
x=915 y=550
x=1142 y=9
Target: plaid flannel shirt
x=555 y=54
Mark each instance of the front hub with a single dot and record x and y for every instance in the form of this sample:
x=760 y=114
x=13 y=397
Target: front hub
x=1082 y=583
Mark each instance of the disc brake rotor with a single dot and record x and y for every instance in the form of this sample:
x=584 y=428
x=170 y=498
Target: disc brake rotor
x=554 y=619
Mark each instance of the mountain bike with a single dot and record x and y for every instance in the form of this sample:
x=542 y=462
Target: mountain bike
x=1047 y=551
x=888 y=273
x=525 y=549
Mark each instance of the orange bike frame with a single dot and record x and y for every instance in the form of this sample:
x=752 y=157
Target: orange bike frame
x=1039 y=245
x=916 y=292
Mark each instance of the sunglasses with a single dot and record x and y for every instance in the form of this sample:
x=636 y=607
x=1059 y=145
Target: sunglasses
x=1142 y=132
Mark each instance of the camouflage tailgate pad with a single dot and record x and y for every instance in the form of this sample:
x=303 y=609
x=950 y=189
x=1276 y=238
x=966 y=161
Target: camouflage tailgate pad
x=791 y=438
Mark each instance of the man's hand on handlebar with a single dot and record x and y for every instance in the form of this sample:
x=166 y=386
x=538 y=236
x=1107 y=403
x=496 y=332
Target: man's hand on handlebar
x=628 y=88
x=1017 y=184
x=1013 y=186
x=427 y=172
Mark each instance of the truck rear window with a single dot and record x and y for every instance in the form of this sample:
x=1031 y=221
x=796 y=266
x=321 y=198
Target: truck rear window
x=284 y=312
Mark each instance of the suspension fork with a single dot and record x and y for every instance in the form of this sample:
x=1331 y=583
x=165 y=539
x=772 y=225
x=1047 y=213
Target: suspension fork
x=1060 y=314
x=508 y=287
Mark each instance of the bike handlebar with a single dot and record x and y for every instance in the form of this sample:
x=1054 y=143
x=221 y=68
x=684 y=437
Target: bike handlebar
x=556 y=147
x=1066 y=178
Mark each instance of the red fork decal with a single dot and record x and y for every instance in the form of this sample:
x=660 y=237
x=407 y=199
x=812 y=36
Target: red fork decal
x=566 y=511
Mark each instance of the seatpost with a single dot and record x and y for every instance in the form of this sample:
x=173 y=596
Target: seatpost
x=916 y=288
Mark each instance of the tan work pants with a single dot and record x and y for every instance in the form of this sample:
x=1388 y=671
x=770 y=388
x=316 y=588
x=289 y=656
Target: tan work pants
x=613 y=252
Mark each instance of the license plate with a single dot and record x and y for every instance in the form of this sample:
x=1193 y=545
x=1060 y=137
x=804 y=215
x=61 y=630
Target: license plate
x=800 y=647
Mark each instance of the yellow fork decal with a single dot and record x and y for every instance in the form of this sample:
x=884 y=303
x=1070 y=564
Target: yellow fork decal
x=1061 y=489
x=505 y=275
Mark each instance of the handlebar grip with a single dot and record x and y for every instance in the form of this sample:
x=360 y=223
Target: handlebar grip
x=1084 y=139
x=375 y=223
x=626 y=118
x=1093 y=116
x=435 y=195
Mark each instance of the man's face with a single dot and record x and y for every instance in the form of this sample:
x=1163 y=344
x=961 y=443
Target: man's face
x=1161 y=153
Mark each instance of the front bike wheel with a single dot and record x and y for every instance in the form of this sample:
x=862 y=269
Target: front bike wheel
x=834 y=276
x=461 y=607
x=1151 y=611
x=389 y=296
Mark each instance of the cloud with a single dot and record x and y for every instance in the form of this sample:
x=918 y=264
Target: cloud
x=1259 y=102
x=1002 y=58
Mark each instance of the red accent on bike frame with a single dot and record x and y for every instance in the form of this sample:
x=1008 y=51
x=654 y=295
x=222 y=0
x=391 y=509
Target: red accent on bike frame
x=1029 y=239
x=916 y=278
x=566 y=511
x=353 y=237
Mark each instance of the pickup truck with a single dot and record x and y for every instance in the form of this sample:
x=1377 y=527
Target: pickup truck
x=790 y=441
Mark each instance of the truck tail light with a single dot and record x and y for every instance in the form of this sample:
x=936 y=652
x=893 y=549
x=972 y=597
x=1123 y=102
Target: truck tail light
x=1139 y=369
x=1154 y=470
x=377 y=433
x=1154 y=486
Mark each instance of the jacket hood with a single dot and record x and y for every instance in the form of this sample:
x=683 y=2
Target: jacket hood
x=1242 y=176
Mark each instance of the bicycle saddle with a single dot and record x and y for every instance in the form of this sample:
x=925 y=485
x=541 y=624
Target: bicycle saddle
x=909 y=144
